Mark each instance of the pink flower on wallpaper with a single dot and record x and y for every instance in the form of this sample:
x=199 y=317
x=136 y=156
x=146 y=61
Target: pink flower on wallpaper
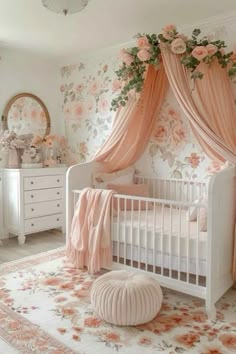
x=212 y=349
x=160 y=134
x=173 y=114
x=79 y=88
x=78 y=111
x=143 y=55
x=194 y=160
x=116 y=85
x=178 y=137
x=94 y=87
x=103 y=104
x=143 y=43
x=199 y=52
x=214 y=167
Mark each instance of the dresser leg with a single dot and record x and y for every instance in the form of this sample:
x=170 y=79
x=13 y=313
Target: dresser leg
x=21 y=239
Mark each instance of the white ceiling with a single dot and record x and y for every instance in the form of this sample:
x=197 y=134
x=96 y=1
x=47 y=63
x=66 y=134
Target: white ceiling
x=27 y=24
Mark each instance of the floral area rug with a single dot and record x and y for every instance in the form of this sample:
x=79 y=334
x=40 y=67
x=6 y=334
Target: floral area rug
x=45 y=308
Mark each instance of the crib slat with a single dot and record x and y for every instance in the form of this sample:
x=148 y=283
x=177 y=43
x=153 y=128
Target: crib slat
x=188 y=243
x=179 y=234
x=154 y=239
x=146 y=235
x=118 y=230
x=170 y=244
x=197 y=247
x=162 y=239
x=132 y=232
x=125 y=236
x=139 y=235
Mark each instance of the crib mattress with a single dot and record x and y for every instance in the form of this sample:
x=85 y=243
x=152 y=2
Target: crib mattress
x=176 y=237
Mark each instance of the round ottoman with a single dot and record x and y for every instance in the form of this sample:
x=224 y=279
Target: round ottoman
x=126 y=298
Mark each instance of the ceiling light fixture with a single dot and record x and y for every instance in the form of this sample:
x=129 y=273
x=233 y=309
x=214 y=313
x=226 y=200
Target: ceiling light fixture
x=65 y=6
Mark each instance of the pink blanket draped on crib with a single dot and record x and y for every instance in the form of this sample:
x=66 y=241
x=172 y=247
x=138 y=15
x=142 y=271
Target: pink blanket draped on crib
x=90 y=241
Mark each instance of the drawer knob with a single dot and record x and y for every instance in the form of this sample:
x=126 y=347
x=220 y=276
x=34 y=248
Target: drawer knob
x=58 y=219
x=32 y=196
x=58 y=193
x=32 y=209
x=32 y=182
x=58 y=205
x=58 y=180
x=32 y=224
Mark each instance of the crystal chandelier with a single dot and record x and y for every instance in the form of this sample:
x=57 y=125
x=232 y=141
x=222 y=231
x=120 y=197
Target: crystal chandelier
x=65 y=6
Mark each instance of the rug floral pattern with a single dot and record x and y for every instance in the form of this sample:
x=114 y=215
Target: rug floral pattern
x=45 y=308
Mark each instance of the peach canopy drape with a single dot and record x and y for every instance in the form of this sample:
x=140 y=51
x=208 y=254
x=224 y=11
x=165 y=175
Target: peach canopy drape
x=209 y=106
x=210 y=109
x=134 y=123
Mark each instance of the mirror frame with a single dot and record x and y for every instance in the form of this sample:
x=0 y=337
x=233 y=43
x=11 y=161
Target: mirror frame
x=34 y=97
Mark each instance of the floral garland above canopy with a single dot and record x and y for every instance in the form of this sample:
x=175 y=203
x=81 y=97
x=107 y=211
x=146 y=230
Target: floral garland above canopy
x=192 y=52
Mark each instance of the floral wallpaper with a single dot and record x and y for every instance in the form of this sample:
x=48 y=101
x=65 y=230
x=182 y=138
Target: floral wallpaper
x=87 y=89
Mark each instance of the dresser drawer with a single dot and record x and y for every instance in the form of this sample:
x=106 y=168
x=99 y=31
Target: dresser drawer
x=43 y=195
x=35 y=210
x=43 y=223
x=42 y=182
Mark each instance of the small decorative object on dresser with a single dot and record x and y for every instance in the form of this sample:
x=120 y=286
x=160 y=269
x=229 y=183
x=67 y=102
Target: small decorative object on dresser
x=34 y=200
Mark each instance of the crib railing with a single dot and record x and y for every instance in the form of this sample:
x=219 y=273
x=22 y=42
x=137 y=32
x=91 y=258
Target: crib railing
x=174 y=189
x=156 y=235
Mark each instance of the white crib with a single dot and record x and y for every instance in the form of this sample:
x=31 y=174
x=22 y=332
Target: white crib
x=156 y=235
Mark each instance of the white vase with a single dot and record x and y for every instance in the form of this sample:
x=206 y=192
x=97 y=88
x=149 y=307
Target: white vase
x=3 y=158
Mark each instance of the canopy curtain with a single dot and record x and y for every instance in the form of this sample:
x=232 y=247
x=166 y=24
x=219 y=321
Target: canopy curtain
x=134 y=123
x=209 y=107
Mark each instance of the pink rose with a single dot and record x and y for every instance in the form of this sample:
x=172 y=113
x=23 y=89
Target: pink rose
x=222 y=51
x=169 y=31
x=143 y=55
x=126 y=57
x=199 y=52
x=178 y=46
x=211 y=49
x=233 y=56
x=143 y=43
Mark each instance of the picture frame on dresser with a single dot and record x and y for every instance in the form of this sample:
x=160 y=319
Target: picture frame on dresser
x=34 y=200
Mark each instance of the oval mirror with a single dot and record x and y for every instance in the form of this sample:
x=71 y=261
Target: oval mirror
x=26 y=114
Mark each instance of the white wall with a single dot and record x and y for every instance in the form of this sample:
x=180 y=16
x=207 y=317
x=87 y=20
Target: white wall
x=21 y=71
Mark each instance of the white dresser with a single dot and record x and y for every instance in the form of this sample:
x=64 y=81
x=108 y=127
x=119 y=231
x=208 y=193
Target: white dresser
x=1 y=206
x=34 y=200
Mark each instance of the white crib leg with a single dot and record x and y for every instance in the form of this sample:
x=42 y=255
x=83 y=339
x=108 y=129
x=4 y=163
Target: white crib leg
x=211 y=310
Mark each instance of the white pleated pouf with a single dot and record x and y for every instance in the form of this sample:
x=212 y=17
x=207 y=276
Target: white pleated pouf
x=126 y=298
